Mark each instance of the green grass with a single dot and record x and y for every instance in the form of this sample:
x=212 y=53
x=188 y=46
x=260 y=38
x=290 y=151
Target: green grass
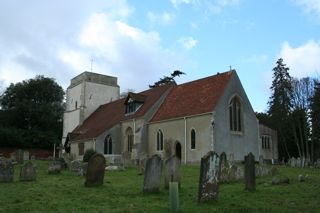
x=122 y=192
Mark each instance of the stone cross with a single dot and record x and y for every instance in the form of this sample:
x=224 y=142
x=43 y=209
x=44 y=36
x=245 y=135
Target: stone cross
x=249 y=172
x=28 y=172
x=95 y=171
x=152 y=174
x=209 y=177
x=172 y=171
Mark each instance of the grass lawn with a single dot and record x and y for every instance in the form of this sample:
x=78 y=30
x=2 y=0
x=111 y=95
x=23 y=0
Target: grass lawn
x=122 y=192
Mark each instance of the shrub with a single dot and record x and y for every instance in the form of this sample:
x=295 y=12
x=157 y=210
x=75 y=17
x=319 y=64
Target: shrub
x=87 y=155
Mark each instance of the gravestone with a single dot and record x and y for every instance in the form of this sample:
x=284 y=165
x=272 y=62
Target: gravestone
x=172 y=171
x=298 y=163
x=19 y=156
x=95 y=171
x=152 y=174
x=75 y=165
x=209 y=177
x=224 y=171
x=231 y=157
x=318 y=163
x=6 y=170
x=293 y=162
x=249 y=172
x=26 y=155
x=261 y=160
x=82 y=170
x=274 y=171
x=54 y=168
x=28 y=172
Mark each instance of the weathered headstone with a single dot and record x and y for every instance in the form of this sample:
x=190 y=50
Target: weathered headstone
x=75 y=165
x=6 y=170
x=95 y=171
x=293 y=162
x=82 y=170
x=152 y=174
x=318 y=163
x=261 y=160
x=298 y=163
x=28 y=172
x=172 y=171
x=19 y=156
x=224 y=171
x=26 y=155
x=274 y=171
x=54 y=168
x=231 y=157
x=249 y=172
x=209 y=177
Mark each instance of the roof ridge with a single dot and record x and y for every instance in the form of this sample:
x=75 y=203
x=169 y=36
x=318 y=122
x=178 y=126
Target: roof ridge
x=211 y=76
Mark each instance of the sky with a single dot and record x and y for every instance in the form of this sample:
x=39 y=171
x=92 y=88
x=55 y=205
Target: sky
x=142 y=41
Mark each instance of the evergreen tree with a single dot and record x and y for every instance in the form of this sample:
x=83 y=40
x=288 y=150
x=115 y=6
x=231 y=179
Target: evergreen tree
x=166 y=80
x=280 y=107
x=32 y=112
x=315 y=121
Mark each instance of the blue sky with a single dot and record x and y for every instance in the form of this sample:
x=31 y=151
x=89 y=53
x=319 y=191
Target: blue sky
x=140 y=42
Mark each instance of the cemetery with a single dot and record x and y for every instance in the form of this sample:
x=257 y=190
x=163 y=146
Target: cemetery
x=215 y=185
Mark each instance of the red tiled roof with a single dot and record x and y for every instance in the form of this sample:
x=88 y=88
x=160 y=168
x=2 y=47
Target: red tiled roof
x=108 y=115
x=192 y=98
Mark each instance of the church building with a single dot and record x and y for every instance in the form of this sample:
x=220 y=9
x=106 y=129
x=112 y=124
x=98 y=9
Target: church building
x=187 y=120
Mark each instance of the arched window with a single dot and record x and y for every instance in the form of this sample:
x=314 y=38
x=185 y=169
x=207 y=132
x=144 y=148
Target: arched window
x=193 y=139
x=129 y=134
x=159 y=140
x=108 y=145
x=235 y=115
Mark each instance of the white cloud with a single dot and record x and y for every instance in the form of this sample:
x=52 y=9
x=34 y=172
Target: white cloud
x=188 y=42
x=309 y=6
x=303 y=60
x=208 y=7
x=58 y=39
x=177 y=3
x=164 y=18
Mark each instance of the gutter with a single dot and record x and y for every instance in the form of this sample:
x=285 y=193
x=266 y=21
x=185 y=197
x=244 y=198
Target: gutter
x=185 y=140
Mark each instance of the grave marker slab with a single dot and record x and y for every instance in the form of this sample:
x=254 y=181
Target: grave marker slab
x=172 y=171
x=28 y=172
x=209 y=177
x=6 y=170
x=249 y=172
x=95 y=171
x=152 y=174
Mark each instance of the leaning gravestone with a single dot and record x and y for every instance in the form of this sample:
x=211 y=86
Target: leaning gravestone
x=28 y=172
x=209 y=177
x=249 y=172
x=152 y=174
x=6 y=170
x=95 y=171
x=172 y=171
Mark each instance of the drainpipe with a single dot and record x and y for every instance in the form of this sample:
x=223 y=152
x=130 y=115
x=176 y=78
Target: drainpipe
x=185 y=140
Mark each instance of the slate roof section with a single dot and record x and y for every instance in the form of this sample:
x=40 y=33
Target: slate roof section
x=193 y=98
x=110 y=114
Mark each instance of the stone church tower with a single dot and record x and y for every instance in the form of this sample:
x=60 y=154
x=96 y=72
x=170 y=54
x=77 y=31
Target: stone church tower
x=85 y=94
